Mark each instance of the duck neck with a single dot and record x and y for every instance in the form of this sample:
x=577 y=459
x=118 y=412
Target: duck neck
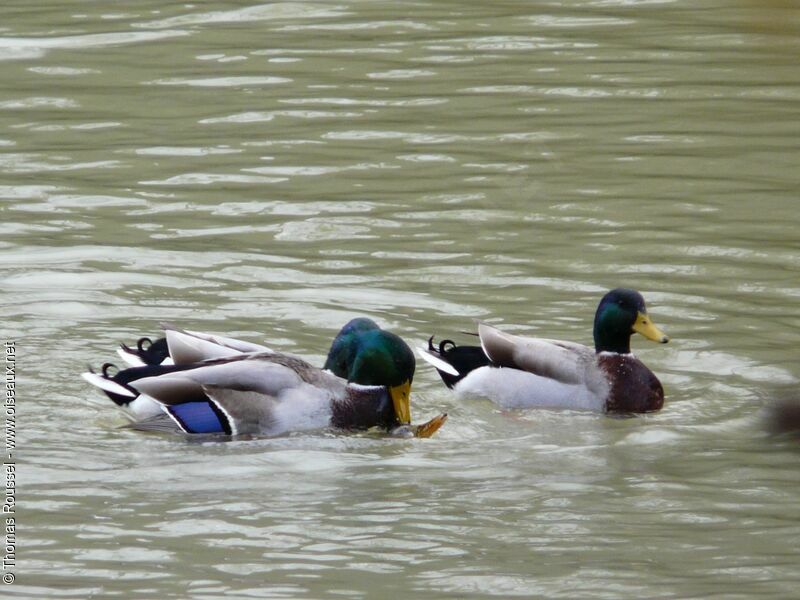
x=611 y=334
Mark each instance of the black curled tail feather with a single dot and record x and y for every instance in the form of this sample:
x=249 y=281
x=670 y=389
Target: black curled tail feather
x=463 y=359
x=150 y=352
x=116 y=377
x=442 y=349
x=125 y=377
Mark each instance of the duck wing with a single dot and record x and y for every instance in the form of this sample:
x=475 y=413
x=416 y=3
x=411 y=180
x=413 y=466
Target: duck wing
x=248 y=393
x=565 y=362
x=186 y=347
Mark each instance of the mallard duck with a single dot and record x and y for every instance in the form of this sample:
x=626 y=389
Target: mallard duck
x=518 y=372
x=201 y=383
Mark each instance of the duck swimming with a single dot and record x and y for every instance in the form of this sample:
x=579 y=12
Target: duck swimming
x=521 y=372
x=193 y=382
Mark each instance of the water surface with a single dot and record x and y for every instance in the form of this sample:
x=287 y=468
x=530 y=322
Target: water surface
x=269 y=171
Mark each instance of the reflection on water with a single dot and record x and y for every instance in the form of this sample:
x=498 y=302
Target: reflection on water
x=271 y=171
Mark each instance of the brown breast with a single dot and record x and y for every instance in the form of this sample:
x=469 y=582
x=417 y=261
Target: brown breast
x=634 y=387
x=364 y=407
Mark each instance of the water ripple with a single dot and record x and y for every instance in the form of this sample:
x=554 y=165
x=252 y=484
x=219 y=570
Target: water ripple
x=261 y=12
x=221 y=81
x=26 y=48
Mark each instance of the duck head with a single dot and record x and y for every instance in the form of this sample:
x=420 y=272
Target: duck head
x=620 y=314
x=364 y=353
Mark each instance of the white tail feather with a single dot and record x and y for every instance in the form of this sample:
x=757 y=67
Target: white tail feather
x=132 y=360
x=437 y=362
x=107 y=385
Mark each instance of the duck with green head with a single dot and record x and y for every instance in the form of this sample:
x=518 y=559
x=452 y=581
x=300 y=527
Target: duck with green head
x=364 y=353
x=221 y=385
x=518 y=372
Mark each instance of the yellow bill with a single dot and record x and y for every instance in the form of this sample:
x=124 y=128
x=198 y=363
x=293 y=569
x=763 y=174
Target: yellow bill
x=401 y=398
x=648 y=329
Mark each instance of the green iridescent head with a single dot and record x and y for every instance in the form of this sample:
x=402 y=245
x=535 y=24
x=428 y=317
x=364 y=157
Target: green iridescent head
x=620 y=314
x=364 y=353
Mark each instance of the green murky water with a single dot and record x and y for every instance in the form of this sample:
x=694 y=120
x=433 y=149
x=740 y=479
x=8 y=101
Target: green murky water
x=272 y=170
